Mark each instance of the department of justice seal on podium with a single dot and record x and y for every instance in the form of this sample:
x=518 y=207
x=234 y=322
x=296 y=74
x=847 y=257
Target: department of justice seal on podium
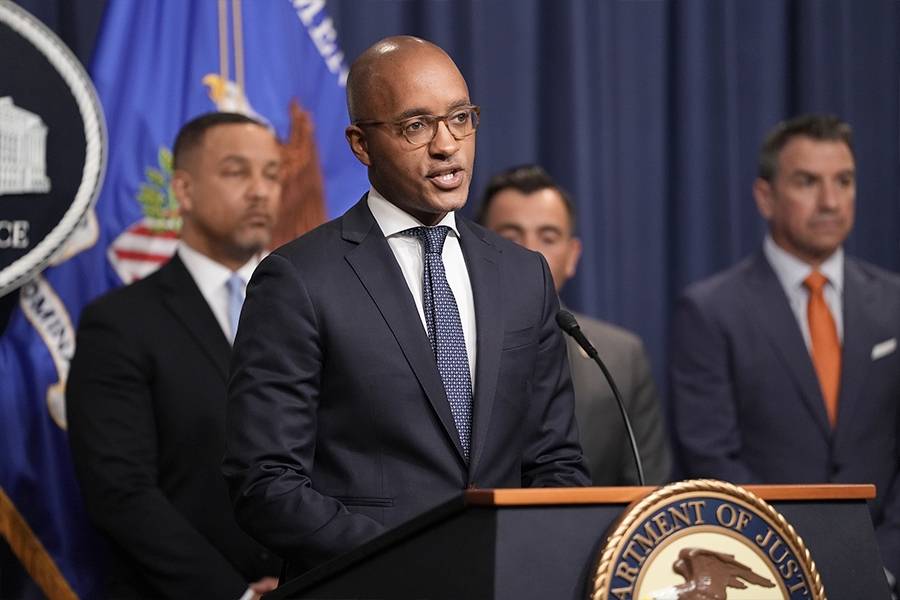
x=704 y=540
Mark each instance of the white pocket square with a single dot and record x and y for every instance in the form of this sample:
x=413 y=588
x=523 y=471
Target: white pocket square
x=884 y=348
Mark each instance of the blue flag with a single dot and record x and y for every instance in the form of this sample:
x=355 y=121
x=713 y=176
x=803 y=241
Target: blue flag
x=156 y=66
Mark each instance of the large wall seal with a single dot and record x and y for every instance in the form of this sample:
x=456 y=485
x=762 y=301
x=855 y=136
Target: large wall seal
x=53 y=146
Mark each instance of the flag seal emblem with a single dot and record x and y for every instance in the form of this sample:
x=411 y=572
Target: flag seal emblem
x=53 y=147
x=704 y=539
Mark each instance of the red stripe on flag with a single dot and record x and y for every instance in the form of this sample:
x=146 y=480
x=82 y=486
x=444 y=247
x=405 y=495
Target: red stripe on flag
x=142 y=229
x=133 y=255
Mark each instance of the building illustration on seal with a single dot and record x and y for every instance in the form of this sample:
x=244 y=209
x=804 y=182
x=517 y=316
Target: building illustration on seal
x=23 y=151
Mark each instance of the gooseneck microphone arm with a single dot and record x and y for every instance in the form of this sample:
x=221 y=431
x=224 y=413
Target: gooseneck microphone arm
x=567 y=323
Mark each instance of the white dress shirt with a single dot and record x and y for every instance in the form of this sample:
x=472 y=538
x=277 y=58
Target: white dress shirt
x=792 y=272
x=409 y=253
x=212 y=279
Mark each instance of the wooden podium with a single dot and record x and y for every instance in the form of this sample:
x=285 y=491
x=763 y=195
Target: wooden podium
x=543 y=544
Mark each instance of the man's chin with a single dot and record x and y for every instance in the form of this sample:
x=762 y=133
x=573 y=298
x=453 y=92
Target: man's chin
x=451 y=200
x=826 y=245
x=254 y=244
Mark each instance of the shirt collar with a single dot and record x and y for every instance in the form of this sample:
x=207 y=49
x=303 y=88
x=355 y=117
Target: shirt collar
x=792 y=271
x=208 y=274
x=392 y=219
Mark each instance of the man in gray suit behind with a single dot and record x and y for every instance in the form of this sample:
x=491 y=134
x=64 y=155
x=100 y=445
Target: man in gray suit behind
x=526 y=205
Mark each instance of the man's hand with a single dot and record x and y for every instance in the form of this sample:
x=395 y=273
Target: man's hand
x=263 y=586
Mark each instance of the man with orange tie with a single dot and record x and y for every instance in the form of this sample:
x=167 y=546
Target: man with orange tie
x=785 y=367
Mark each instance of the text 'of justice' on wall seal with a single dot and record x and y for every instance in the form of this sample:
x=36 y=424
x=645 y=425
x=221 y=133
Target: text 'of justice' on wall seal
x=704 y=539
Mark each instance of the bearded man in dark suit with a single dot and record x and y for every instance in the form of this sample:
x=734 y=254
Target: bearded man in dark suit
x=147 y=386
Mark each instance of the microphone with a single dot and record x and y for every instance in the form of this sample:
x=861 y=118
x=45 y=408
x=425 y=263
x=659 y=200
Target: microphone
x=569 y=324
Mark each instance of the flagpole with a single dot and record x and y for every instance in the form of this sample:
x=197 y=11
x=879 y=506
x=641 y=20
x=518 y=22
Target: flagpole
x=223 y=40
x=238 y=54
x=31 y=553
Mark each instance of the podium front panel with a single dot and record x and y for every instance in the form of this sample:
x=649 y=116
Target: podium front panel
x=544 y=550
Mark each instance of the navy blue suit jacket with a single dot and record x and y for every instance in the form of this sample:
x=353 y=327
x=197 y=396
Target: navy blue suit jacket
x=338 y=426
x=746 y=399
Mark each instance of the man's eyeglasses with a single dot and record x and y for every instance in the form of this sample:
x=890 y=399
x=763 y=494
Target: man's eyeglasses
x=421 y=129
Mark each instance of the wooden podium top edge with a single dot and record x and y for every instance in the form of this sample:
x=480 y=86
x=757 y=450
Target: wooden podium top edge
x=627 y=495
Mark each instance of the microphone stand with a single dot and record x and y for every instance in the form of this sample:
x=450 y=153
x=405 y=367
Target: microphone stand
x=569 y=324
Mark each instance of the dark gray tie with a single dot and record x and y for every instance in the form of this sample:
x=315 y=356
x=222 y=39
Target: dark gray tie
x=445 y=331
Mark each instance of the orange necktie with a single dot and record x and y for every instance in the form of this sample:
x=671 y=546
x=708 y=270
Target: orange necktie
x=826 y=347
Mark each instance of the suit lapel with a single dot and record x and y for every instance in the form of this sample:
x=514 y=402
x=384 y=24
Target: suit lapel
x=859 y=303
x=376 y=267
x=767 y=299
x=482 y=262
x=183 y=299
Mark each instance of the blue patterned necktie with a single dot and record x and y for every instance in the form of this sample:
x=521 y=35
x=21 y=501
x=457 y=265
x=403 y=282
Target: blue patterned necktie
x=445 y=331
x=235 y=287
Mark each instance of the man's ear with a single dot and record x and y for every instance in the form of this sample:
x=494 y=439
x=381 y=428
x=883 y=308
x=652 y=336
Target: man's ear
x=181 y=187
x=762 y=194
x=359 y=145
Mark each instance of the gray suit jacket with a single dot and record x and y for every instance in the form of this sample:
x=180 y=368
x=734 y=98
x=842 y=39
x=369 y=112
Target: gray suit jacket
x=601 y=430
x=747 y=403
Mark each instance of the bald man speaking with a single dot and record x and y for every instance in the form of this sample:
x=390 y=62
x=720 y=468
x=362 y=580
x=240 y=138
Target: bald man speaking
x=391 y=358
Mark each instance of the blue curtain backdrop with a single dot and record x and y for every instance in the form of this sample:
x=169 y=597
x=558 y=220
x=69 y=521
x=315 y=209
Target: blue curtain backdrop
x=651 y=113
